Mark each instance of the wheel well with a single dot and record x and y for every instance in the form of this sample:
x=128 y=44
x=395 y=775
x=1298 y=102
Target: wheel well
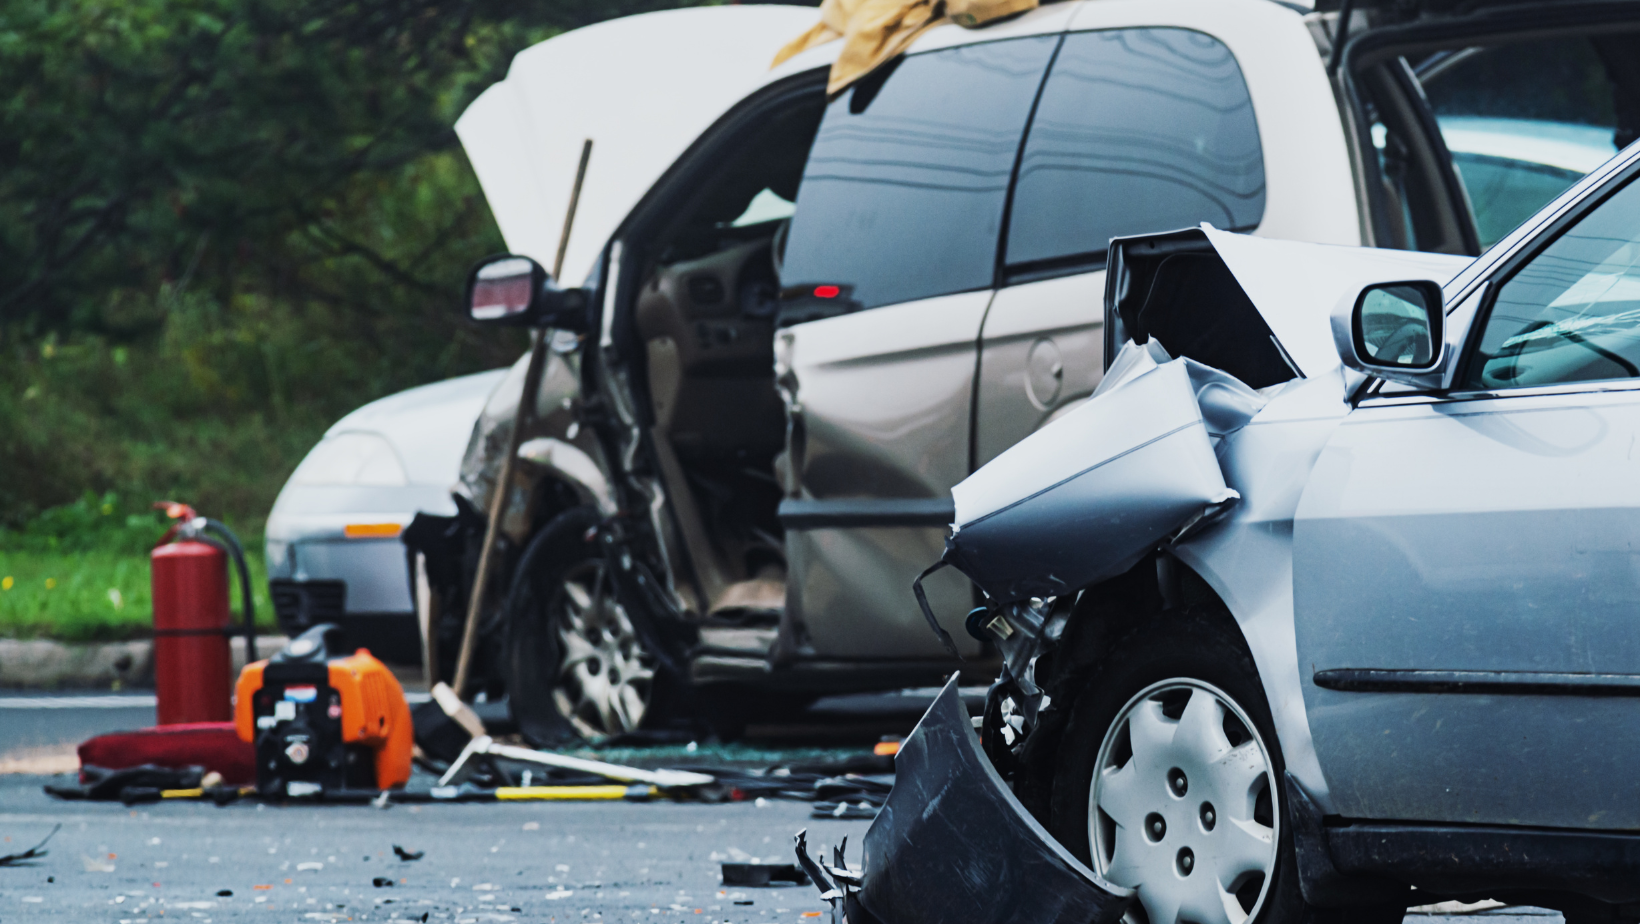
x=1103 y=615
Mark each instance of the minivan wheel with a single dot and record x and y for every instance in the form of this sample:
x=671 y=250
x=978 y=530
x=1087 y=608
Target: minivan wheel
x=1169 y=782
x=575 y=663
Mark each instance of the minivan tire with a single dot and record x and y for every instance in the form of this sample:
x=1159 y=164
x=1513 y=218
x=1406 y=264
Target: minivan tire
x=542 y=609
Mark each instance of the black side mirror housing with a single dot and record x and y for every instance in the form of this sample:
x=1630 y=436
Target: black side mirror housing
x=515 y=291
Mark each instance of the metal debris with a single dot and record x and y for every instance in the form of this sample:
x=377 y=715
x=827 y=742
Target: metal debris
x=33 y=853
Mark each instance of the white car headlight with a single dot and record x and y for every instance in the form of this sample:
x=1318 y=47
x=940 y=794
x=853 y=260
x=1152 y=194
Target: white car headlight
x=351 y=459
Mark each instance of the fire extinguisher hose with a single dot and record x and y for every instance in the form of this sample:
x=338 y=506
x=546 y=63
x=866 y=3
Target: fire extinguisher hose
x=230 y=544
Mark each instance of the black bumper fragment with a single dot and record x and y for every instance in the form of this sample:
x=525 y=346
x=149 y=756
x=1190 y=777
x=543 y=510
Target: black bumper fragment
x=953 y=844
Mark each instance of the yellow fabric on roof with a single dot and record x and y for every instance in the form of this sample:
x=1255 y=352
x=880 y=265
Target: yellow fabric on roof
x=876 y=31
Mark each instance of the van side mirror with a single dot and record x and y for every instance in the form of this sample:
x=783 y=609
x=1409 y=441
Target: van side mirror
x=1394 y=331
x=514 y=291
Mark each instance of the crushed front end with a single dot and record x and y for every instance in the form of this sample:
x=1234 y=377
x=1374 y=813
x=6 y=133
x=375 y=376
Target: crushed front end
x=953 y=844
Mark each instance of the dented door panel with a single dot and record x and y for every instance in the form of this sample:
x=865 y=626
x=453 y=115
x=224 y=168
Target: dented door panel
x=1042 y=348
x=879 y=404
x=1486 y=538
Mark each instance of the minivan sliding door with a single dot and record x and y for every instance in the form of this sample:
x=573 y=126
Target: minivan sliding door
x=1136 y=130
x=887 y=272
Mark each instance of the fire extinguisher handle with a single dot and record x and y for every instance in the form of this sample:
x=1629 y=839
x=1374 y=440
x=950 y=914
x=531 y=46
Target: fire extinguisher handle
x=236 y=551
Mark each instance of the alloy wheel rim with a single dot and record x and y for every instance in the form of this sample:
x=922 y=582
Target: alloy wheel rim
x=1181 y=807
x=605 y=676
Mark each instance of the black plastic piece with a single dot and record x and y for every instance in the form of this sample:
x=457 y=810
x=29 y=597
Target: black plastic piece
x=1475 y=859
x=953 y=844
x=762 y=874
x=1318 y=879
x=299 y=723
x=1491 y=683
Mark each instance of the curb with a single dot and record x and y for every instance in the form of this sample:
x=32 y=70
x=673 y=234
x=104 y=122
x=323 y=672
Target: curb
x=42 y=664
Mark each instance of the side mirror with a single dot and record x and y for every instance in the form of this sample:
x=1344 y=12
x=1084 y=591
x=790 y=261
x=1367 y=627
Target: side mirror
x=514 y=291
x=1394 y=331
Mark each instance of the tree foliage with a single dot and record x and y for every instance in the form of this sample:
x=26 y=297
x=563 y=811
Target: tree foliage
x=224 y=223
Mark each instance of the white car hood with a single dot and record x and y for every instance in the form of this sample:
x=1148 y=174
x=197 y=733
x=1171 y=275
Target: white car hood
x=643 y=88
x=428 y=425
x=1295 y=285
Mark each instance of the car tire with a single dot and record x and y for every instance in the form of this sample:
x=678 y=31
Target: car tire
x=1176 y=725
x=575 y=666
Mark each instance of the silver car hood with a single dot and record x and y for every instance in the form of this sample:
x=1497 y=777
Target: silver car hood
x=1295 y=285
x=1143 y=461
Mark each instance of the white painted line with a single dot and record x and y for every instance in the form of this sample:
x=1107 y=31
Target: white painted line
x=119 y=701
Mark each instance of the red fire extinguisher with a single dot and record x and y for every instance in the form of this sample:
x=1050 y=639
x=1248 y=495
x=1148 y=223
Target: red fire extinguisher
x=193 y=672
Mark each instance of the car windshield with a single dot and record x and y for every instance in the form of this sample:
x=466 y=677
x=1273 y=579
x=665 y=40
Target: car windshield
x=1573 y=313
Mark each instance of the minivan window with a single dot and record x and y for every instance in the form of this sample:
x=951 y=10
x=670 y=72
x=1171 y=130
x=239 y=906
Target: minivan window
x=1137 y=130
x=905 y=187
x=1525 y=121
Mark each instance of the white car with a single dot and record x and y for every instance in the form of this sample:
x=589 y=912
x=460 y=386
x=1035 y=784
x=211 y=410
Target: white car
x=333 y=546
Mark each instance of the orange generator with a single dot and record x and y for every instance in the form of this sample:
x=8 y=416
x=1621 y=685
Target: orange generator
x=323 y=724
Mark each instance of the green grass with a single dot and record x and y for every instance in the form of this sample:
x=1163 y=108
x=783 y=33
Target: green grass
x=94 y=595
x=79 y=573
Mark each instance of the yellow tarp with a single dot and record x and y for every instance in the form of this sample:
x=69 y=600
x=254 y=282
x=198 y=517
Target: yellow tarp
x=875 y=31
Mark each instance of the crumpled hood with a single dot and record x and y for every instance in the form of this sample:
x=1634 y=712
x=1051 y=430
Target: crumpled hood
x=643 y=88
x=1295 y=285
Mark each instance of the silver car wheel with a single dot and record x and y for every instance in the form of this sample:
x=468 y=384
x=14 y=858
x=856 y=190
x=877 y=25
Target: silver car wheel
x=605 y=676
x=1182 y=806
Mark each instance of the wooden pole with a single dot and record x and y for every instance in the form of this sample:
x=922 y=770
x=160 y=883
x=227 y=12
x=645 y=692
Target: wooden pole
x=521 y=420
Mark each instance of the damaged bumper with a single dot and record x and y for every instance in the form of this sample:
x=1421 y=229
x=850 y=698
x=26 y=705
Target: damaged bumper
x=953 y=844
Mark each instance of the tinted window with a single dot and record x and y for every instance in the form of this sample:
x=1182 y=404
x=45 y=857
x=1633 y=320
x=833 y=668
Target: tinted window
x=904 y=190
x=1573 y=313
x=1525 y=121
x=1138 y=130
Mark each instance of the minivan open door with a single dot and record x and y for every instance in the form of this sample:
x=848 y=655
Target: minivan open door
x=642 y=88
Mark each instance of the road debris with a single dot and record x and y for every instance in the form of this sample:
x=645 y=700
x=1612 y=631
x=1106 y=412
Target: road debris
x=33 y=853
x=762 y=875
x=483 y=746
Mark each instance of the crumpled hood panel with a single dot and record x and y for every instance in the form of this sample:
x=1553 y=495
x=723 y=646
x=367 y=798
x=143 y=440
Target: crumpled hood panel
x=1084 y=498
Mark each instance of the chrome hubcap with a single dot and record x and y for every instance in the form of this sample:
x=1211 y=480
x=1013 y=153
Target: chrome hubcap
x=1182 y=806
x=605 y=676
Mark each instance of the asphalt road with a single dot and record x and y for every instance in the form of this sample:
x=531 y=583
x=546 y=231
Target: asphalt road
x=535 y=862
x=495 y=862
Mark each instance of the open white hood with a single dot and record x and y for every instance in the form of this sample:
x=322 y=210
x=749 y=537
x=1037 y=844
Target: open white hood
x=643 y=88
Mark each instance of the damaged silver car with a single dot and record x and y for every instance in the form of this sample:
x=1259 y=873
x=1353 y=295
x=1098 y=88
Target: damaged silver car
x=1322 y=607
